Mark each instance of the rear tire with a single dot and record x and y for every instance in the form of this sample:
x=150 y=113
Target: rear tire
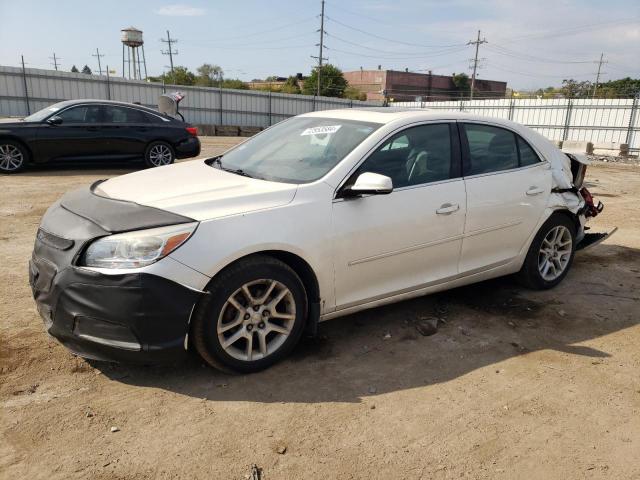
x=254 y=316
x=13 y=156
x=158 y=154
x=550 y=255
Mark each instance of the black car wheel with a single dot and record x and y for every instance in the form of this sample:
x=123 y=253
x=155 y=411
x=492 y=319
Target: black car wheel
x=159 y=154
x=253 y=317
x=13 y=156
x=550 y=254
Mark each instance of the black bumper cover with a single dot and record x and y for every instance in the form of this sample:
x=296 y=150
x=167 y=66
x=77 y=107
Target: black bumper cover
x=135 y=317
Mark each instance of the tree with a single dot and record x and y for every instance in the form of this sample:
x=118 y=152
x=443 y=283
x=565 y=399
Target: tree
x=234 y=83
x=332 y=82
x=624 y=87
x=86 y=70
x=573 y=89
x=74 y=69
x=209 y=75
x=461 y=83
x=354 y=94
x=179 y=76
x=290 y=85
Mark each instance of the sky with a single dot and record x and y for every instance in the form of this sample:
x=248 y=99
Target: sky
x=530 y=44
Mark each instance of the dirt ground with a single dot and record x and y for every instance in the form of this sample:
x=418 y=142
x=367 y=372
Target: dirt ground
x=516 y=383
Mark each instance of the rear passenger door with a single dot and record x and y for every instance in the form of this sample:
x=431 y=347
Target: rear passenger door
x=507 y=187
x=126 y=130
x=410 y=238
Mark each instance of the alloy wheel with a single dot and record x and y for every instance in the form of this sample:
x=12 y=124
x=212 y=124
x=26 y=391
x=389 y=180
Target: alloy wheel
x=11 y=158
x=160 y=155
x=555 y=253
x=256 y=320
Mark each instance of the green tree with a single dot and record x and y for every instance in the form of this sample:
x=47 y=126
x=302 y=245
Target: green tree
x=573 y=89
x=86 y=70
x=234 y=83
x=462 y=83
x=209 y=75
x=332 y=82
x=354 y=94
x=179 y=76
x=624 y=87
x=74 y=69
x=291 y=85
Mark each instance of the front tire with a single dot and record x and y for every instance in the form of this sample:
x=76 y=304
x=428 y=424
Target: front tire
x=159 y=154
x=13 y=156
x=550 y=255
x=254 y=316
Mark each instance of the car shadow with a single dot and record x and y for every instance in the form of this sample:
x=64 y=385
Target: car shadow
x=385 y=350
x=69 y=168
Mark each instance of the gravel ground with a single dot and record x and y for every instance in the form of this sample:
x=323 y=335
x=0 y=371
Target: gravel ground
x=515 y=383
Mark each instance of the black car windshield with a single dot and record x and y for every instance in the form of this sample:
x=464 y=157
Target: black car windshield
x=299 y=150
x=40 y=115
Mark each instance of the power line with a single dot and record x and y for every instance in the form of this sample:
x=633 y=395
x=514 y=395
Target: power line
x=531 y=58
x=477 y=43
x=55 y=60
x=169 y=41
x=98 y=55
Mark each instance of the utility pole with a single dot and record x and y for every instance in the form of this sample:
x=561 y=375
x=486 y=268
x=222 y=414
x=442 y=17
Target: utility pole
x=169 y=41
x=595 y=87
x=98 y=55
x=55 y=60
x=321 y=45
x=477 y=43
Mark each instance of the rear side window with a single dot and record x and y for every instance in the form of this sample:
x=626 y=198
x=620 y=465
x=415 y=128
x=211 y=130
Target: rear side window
x=123 y=115
x=527 y=155
x=491 y=149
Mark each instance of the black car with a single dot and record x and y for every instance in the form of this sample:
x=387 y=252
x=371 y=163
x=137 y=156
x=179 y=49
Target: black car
x=95 y=130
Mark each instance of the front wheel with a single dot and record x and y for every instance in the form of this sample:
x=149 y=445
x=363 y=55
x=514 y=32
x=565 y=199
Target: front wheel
x=253 y=317
x=158 y=154
x=550 y=255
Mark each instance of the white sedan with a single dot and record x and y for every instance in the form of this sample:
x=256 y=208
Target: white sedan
x=319 y=216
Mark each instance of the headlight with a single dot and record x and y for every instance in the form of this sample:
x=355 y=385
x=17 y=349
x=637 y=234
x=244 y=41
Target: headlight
x=136 y=249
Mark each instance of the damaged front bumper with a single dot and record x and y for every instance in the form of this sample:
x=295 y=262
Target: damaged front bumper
x=133 y=317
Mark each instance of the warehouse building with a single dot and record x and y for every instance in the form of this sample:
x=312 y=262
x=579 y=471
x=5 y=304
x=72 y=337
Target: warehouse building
x=405 y=86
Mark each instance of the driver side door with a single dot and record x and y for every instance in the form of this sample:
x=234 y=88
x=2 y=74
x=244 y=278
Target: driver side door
x=411 y=238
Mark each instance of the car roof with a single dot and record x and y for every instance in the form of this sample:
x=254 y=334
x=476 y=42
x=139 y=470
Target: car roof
x=386 y=115
x=68 y=103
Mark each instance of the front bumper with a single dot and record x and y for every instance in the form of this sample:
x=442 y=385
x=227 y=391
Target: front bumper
x=136 y=316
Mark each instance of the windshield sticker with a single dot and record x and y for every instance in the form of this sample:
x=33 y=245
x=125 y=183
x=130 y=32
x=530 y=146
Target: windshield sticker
x=327 y=129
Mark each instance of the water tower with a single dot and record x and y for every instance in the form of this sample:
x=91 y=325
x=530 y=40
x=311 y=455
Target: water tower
x=132 y=44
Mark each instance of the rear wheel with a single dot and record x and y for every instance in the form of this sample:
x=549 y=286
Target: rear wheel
x=13 y=156
x=158 y=154
x=254 y=316
x=551 y=253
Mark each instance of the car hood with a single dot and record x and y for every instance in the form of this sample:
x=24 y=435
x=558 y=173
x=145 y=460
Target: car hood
x=197 y=190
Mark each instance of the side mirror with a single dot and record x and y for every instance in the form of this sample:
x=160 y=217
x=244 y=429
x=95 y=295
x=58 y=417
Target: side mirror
x=369 y=183
x=55 y=120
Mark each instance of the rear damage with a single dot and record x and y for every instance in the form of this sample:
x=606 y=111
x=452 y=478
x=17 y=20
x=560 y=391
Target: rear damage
x=570 y=193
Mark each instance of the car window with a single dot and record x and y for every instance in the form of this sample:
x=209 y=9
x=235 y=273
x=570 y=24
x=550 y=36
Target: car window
x=414 y=156
x=491 y=149
x=527 y=155
x=123 y=115
x=81 y=114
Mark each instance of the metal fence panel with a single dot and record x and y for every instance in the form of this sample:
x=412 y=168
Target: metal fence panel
x=202 y=105
x=597 y=120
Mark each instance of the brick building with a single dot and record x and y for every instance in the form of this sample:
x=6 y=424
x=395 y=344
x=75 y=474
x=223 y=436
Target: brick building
x=409 y=86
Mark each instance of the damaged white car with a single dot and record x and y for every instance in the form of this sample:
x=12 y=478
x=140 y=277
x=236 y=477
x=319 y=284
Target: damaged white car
x=319 y=216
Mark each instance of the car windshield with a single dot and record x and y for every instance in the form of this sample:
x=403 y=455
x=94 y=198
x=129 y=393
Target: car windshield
x=40 y=115
x=298 y=150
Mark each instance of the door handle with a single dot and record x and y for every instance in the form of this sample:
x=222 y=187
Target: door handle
x=447 y=208
x=92 y=129
x=534 y=191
